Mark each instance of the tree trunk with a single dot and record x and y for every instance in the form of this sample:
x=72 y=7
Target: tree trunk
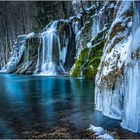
x=64 y=9
x=82 y=7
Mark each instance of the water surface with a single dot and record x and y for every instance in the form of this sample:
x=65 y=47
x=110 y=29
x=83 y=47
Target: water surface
x=37 y=102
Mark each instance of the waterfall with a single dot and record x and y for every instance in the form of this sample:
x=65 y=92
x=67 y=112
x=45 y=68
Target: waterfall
x=52 y=55
x=136 y=19
x=48 y=67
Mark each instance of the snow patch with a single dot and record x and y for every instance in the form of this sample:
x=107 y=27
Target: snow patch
x=97 y=130
x=105 y=137
x=30 y=35
x=100 y=133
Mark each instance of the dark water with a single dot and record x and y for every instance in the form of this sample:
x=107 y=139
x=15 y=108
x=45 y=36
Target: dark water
x=34 y=102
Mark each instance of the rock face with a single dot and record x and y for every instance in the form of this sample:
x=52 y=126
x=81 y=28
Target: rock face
x=90 y=40
x=24 y=56
x=29 y=58
x=88 y=60
x=117 y=79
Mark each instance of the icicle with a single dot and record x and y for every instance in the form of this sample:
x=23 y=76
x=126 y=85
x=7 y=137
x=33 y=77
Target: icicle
x=95 y=26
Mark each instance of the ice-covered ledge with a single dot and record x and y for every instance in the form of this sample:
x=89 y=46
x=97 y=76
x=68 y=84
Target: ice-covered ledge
x=119 y=97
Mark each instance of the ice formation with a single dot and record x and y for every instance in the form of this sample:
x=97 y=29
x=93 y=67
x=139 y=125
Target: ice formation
x=118 y=79
x=16 y=54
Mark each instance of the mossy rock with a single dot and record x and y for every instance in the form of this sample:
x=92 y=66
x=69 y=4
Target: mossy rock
x=116 y=29
x=115 y=41
x=129 y=12
x=30 y=55
x=99 y=38
x=90 y=66
x=89 y=59
x=88 y=72
x=83 y=54
x=96 y=50
x=75 y=71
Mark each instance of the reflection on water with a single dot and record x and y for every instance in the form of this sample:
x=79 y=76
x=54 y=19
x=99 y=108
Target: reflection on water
x=34 y=102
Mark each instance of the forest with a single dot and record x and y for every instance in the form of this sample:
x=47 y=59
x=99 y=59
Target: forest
x=70 y=69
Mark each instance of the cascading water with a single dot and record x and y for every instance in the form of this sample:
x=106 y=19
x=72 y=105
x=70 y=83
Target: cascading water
x=49 y=40
x=53 y=55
